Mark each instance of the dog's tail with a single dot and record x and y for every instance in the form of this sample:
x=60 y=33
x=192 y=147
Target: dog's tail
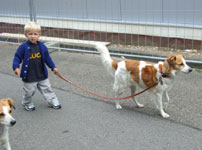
x=109 y=64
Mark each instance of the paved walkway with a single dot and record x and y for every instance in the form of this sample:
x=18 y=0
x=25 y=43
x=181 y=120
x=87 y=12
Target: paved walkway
x=89 y=123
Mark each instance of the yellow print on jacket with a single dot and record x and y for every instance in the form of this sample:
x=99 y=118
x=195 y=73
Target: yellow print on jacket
x=36 y=55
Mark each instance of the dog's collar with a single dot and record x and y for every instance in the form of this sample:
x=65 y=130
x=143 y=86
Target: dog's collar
x=163 y=75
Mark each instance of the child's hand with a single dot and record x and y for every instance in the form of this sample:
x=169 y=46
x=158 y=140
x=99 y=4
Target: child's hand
x=55 y=70
x=17 y=71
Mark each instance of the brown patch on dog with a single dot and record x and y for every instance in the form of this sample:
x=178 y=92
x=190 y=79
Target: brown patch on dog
x=149 y=75
x=167 y=67
x=11 y=102
x=173 y=62
x=178 y=63
x=133 y=68
x=114 y=64
x=8 y=102
x=161 y=68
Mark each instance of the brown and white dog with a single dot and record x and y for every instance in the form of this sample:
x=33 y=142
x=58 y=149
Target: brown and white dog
x=132 y=74
x=6 y=120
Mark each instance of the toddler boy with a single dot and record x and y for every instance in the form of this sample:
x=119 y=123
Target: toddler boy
x=34 y=57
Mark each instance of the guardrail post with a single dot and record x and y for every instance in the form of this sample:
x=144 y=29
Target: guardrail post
x=32 y=10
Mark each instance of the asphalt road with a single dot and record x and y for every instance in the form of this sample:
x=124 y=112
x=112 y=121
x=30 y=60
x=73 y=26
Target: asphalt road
x=86 y=122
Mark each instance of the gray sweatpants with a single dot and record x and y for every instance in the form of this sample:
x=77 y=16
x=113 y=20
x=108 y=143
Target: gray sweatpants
x=45 y=89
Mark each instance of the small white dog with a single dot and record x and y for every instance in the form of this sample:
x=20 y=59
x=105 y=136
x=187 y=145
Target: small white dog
x=6 y=120
x=132 y=74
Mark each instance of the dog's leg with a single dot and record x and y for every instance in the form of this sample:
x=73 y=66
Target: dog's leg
x=117 y=104
x=167 y=99
x=116 y=89
x=133 y=89
x=5 y=139
x=7 y=146
x=159 y=102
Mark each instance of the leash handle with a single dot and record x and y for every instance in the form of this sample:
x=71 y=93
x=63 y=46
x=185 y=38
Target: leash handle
x=109 y=98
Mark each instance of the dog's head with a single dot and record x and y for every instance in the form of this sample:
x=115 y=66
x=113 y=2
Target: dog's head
x=6 y=106
x=177 y=63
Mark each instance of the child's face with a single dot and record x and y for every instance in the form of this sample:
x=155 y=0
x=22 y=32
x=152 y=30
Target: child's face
x=33 y=36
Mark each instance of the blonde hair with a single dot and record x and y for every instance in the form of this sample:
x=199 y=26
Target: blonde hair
x=30 y=26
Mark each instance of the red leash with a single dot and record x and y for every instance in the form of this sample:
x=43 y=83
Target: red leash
x=109 y=98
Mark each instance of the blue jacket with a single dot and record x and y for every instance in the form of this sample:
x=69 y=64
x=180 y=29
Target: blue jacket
x=22 y=55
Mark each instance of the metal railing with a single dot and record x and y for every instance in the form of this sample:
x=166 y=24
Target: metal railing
x=153 y=37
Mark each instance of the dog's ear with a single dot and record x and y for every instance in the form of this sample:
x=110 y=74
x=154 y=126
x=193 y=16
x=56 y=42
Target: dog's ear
x=171 y=60
x=11 y=102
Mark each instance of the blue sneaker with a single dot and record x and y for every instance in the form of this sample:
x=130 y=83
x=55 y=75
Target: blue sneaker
x=29 y=107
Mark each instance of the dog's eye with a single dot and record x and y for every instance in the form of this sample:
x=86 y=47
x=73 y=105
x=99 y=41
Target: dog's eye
x=1 y=114
x=10 y=111
x=181 y=64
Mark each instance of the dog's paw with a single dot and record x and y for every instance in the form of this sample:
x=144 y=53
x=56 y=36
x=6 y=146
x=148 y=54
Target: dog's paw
x=140 y=105
x=165 y=115
x=165 y=105
x=118 y=106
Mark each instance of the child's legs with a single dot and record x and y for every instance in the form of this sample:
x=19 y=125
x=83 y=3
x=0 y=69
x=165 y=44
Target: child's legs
x=44 y=87
x=29 y=89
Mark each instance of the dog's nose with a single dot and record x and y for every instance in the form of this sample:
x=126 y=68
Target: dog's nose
x=190 y=70
x=13 y=122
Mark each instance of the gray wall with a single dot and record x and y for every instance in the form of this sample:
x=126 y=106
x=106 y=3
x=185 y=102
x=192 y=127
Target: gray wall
x=163 y=12
x=14 y=8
